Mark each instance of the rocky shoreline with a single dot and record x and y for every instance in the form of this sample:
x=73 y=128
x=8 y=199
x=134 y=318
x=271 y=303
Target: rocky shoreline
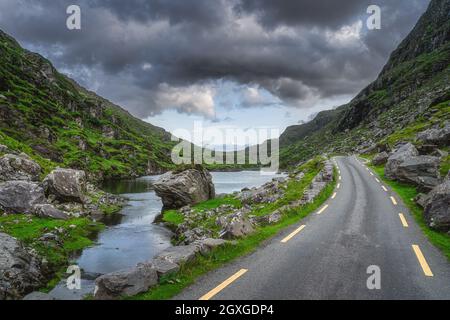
x=62 y=195
x=233 y=224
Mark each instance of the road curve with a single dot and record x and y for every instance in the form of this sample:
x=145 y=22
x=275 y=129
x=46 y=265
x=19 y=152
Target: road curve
x=328 y=258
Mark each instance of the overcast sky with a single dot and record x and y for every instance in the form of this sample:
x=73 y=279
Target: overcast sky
x=254 y=63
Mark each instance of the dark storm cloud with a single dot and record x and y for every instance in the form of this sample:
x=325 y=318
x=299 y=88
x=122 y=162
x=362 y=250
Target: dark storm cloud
x=150 y=55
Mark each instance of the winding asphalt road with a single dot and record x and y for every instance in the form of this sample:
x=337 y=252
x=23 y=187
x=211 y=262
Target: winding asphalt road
x=327 y=255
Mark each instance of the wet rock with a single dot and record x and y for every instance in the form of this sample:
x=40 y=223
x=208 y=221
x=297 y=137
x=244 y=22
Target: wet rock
x=49 y=211
x=20 y=271
x=188 y=187
x=66 y=185
x=403 y=153
x=163 y=266
x=179 y=254
x=437 y=208
x=18 y=167
x=125 y=283
x=380 y=158
x=20 y=196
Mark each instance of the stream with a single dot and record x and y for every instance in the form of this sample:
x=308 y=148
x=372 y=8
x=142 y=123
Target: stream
x=131 y=236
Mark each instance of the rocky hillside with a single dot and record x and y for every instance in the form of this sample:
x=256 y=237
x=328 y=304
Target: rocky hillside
x=48 y=116
x=411 y=94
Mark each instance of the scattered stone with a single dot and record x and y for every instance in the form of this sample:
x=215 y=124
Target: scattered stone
x=239 y=226
x=66 y=185
x=272 y=218
x=20 y=270
x=18 y=167
x=437 y=136
x=49 y=211
x=188 y=187
x=20 y=196
x=125 y=283
x=380 y=158
x=437 y=208
x=206 y=245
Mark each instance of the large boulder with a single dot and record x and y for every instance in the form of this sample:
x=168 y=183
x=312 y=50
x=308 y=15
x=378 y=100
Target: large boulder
x=20 y=196
x=125 y=283
x=399 y=156
x=185 y=188
x=20 y=271
x=18 y=167
x=437 y=136
x=180 y=254
x=437 y=207
x=380 y=158
x=422 y=171
x=66 y=185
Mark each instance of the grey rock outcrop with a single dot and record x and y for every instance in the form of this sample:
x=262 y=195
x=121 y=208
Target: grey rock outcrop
x=188 y=187
x=437 y=207
x=20 y=271
x=437 y=136
x=422 y=171
x=20 y=196
x=405 y=152
x=125 y=283
x=66 y=185
x=18 y=167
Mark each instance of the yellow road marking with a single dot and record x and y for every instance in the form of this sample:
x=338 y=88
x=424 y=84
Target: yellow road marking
x=323 y=209
x=403 y=220
x=338 y=186
x=223 y=285
x=394 y=201
x=334 y=195
x=293 y=234
x=384 y=188
x=423 y=263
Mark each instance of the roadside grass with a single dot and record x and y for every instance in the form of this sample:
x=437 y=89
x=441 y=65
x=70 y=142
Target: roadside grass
x=76 y=236
x=407 y=193
x=173 y=284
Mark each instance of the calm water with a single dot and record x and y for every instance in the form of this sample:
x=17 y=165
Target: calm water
x=132 y=237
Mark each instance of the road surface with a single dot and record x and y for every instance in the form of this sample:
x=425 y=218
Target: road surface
x=327 y=255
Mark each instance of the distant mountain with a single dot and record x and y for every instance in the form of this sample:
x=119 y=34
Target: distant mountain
x=411 y=94
x=59 y=123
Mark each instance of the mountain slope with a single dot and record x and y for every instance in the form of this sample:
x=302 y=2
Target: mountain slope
x=411 y=93
x=59 y=123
